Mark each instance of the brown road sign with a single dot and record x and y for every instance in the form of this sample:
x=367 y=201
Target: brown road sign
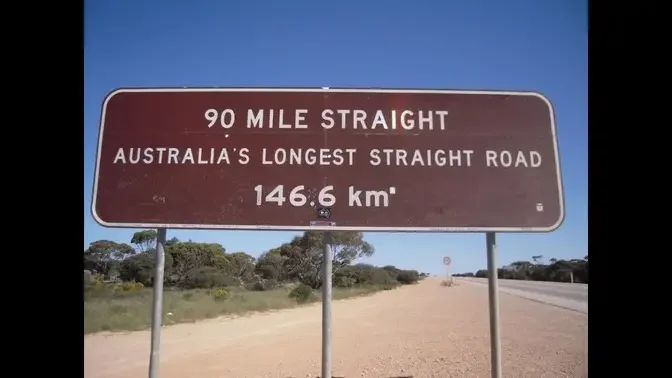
x=338 y=159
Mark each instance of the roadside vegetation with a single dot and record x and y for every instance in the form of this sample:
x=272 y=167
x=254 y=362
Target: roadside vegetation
x=202 y=280
x=575 y=270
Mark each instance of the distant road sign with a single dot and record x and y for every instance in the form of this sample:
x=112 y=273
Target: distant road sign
x=337 y=159
x=446 y=260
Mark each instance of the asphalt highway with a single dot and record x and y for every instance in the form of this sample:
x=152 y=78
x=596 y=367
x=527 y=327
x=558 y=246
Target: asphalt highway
x=566 y=295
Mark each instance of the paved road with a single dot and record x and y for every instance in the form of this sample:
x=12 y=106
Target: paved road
x=571 y=296
x=423 y=330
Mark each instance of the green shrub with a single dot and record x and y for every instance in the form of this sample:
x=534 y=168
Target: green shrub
x=408 y=277
x=393 y=271
x=128 y=286
x=302 y=293
x=341 y=280
x=207 y=277
x=380 y=276
x=263 y=285
x=221 y=294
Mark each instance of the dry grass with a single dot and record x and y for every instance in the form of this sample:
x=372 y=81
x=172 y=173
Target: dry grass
x=107 y=308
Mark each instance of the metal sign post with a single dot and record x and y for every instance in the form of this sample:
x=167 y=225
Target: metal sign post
x=493 y=296
x=326 y=306
x=446 y=262
x=157 y=305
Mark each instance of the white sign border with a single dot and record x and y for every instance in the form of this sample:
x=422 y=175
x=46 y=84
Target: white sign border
x=307 y=227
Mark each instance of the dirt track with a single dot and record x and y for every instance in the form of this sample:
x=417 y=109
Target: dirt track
x=423 y=330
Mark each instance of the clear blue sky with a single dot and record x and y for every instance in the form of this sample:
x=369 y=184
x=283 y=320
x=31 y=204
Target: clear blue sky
x=469 y=44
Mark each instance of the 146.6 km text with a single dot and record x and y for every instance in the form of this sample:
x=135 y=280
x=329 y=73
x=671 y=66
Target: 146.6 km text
x=299 y=196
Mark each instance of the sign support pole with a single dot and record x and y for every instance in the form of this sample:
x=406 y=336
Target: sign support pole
x=493 y=296
x=446 y=263
x=326 y=306
x=157 y=305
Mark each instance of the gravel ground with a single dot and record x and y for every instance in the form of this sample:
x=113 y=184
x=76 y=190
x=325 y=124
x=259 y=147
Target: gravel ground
x=423 y=330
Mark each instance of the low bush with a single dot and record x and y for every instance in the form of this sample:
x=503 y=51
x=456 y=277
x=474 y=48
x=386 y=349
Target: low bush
x=132 y=286
x=221 y=294
x=263 y=285
x=408 y=277
x=207 y=277
x=448 y=283
x=302 y=294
